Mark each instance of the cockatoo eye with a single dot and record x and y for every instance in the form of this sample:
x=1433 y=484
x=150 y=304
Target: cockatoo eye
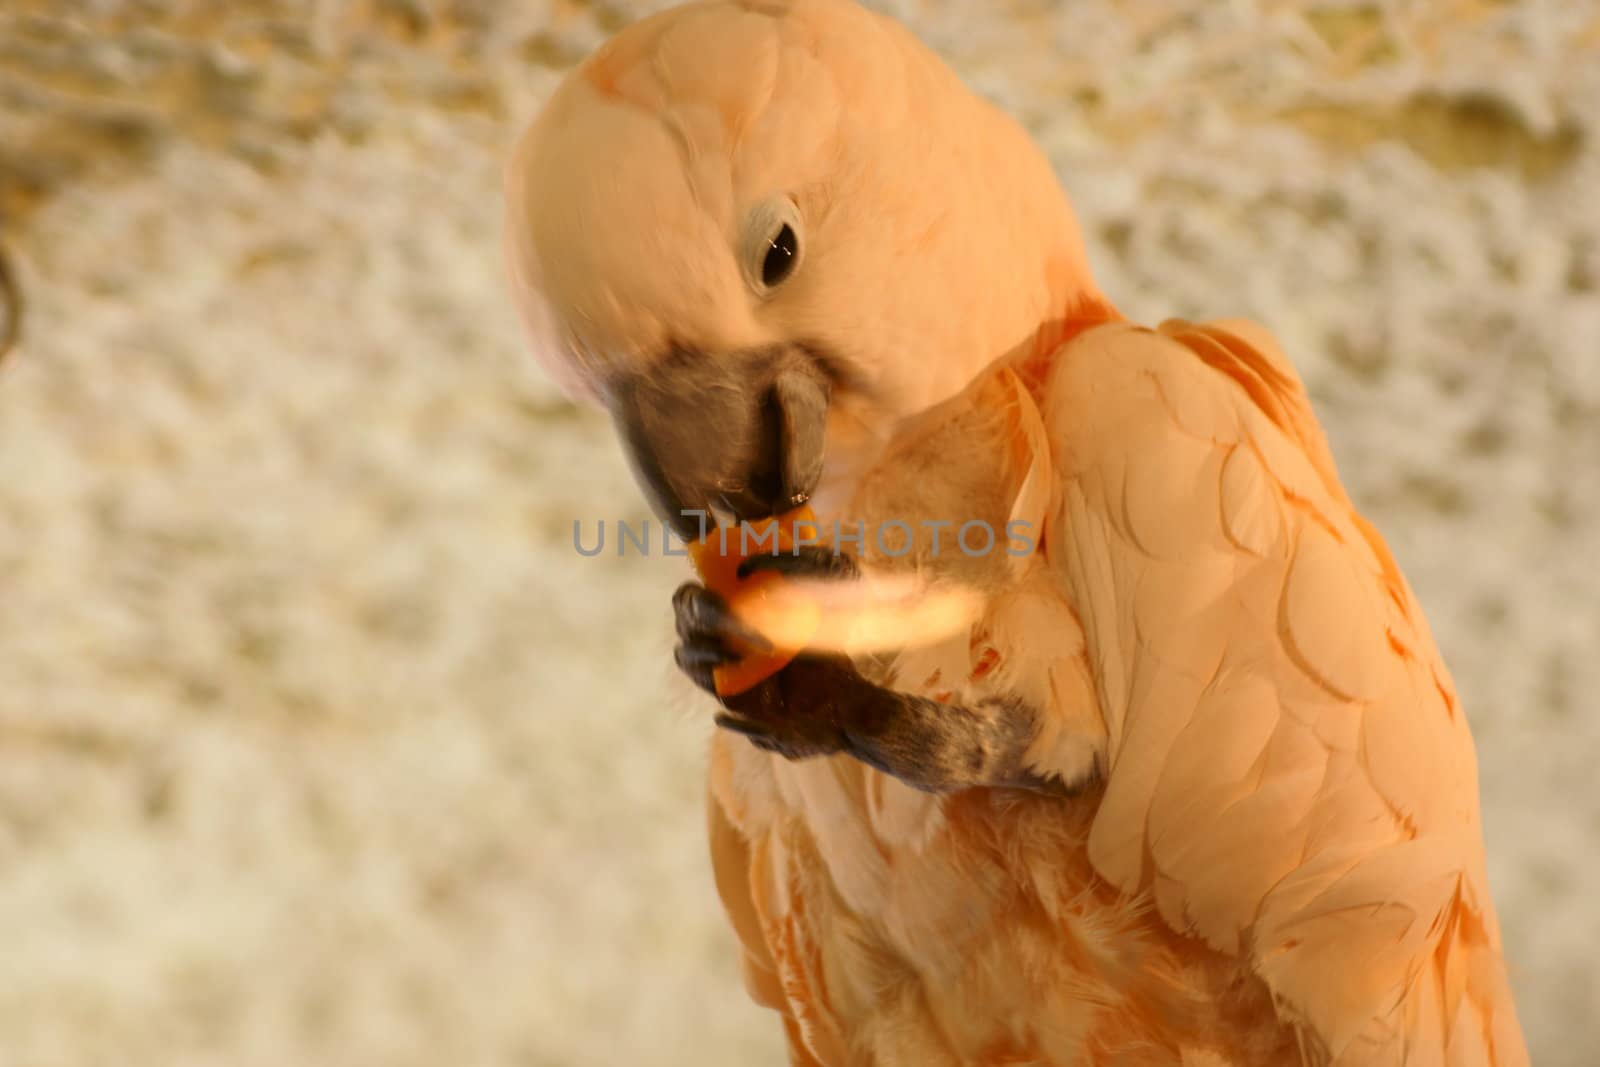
x=772 y=246
x=780 y=257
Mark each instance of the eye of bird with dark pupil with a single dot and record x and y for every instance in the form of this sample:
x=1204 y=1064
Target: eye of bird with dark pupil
x=780 y=257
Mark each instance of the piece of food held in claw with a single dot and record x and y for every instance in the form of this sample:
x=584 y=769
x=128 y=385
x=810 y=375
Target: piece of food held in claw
x=758 y=599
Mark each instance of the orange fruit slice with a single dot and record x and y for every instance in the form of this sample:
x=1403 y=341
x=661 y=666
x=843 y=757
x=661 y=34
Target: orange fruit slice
x=716 y=558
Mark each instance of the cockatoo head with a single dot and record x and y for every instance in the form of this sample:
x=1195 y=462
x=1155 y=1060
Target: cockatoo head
x=763 y=232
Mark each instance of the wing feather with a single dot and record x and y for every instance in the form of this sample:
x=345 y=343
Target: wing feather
x=1288 y=776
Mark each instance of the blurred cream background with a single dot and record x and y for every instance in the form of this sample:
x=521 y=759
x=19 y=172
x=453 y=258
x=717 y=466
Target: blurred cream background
x=318 y=742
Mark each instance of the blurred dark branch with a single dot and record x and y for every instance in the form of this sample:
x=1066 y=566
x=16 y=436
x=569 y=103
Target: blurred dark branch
x=10 y=305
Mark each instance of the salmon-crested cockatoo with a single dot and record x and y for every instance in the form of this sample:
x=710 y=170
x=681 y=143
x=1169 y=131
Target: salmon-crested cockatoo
x=1170 y=774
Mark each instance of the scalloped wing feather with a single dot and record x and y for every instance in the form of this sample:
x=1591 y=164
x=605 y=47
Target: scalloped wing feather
x=1290 y=778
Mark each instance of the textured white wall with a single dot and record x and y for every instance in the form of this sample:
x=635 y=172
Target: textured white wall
x=318 y=744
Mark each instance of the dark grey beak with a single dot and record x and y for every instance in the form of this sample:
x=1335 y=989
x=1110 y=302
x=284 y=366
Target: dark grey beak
x=741 y=433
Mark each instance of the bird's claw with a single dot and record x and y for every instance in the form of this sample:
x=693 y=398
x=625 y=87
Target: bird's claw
x=808 y=561
x=794 y=713
x=709 y=634
x=801 y=711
